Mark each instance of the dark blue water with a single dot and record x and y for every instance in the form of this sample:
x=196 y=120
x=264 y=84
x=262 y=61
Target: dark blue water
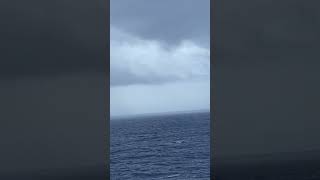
x=161 y=147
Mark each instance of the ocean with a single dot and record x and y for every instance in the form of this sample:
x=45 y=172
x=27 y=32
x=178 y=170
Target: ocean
x=161 y=147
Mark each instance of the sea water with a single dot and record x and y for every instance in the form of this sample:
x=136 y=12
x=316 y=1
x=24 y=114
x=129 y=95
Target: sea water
x=161 y=147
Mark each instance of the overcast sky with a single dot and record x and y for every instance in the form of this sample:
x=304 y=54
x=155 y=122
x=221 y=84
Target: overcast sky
x=160 y=56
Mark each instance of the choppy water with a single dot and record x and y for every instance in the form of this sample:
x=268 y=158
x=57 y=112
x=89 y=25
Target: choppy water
x=161 y=147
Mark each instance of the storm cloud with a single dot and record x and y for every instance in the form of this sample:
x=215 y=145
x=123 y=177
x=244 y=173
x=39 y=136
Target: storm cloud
x=159 y=56
x=146 y=61
x=170 y=21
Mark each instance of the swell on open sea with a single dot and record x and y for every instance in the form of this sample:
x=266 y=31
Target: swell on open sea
x=161 y=147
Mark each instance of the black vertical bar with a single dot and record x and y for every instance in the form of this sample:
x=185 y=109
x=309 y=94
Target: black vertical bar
x=212 y=90
x=107 y=93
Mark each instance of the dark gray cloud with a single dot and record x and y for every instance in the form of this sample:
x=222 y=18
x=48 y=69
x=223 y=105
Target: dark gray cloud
x=170 y=21
x=159 y=41
x=52 y=37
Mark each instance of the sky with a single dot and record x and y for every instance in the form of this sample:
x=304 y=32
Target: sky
x=159 y=56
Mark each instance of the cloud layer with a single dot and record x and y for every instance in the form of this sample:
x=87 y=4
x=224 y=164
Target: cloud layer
x=171 y=21
x=159 y=56
x=135 y=60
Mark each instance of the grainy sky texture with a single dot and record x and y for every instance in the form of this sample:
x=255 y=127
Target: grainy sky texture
x=160 y=56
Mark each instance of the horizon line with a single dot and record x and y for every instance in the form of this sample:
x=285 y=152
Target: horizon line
x=159 y=113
